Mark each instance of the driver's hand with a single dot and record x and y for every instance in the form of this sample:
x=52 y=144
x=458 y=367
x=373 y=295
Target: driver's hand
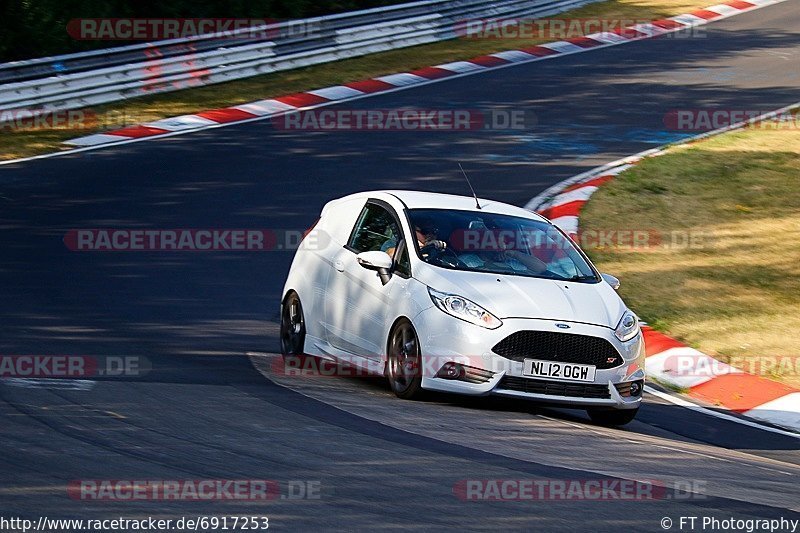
x=439 y=245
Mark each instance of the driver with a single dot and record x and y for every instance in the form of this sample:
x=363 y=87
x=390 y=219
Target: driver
x=428 y=238
x=426 y=234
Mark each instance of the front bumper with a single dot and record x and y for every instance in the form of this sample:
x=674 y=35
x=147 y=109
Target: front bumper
x=444 y=339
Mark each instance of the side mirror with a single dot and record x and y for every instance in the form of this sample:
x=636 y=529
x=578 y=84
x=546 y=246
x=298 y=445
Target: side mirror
x=379 y=261
x=611 y=280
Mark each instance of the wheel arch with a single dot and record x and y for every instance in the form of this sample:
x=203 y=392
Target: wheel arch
x=395 y=322
x=287 y=291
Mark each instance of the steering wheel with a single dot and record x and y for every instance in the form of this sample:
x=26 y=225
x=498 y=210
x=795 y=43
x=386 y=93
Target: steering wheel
x=447 y=257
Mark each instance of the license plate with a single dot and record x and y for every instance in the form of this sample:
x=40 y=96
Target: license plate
x=562 y=371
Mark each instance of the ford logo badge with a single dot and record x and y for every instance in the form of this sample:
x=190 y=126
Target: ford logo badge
x=562 y=326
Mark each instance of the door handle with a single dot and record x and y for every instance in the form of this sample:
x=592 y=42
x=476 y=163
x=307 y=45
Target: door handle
x=338 y=264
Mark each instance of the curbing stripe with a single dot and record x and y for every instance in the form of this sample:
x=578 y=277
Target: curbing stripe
x=460 y=66
x=182 y=122
x=706 y=14
x=563 y=47
x=656 y=342
x=594 y=182
x=402 y=79
x=337 y=92
x=607 y=37
x=686 y=367
x=138 y=131
x=580 y=193
x=631 y=33
x=668 y=24
x=539 y=51
x=740 y=4
x=724 y=9
x=369 y=86
x=301 y=99
x=98 y=139
x=225 y=115
x=740 y=392
x=266 y=107
x=664 y=365
x=513 y=56
x=489 y=61
x=649 y=29
x=432 y=73
x=689 y=20
x=569 y=209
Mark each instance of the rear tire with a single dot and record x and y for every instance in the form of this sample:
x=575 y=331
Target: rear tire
x=616 y=417
x=404 y=361
x=293 y=326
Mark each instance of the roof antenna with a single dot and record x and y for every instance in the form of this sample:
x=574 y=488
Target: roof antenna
x=470 y=186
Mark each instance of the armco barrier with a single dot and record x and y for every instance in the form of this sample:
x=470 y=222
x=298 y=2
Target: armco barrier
x=92 y=78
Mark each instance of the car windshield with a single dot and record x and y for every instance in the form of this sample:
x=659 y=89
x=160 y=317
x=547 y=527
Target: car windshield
x=500 y=244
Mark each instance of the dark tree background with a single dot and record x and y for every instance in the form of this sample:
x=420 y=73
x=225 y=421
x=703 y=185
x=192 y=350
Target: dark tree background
x=36 y=28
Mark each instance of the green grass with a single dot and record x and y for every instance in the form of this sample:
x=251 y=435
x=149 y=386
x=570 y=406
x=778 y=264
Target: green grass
x=15 y=144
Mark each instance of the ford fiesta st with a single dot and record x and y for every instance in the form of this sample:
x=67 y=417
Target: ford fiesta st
x=462 y=295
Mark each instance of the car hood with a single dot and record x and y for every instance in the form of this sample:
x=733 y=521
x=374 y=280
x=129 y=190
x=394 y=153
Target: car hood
x=525 y=297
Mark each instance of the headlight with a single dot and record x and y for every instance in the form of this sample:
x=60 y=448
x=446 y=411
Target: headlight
x=464 y=309
x=628 y=327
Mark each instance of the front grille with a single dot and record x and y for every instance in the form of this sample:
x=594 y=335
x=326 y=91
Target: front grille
x=554 y=388
x=561 y=347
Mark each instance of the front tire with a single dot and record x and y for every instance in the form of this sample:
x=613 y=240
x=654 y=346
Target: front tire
x=616 y=417
x=293 y=326
x=404 y=361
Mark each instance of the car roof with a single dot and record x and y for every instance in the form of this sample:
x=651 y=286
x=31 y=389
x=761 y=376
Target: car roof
x=435 y=200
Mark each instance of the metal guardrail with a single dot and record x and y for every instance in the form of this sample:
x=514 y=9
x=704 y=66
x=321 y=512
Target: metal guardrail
x=102 y=76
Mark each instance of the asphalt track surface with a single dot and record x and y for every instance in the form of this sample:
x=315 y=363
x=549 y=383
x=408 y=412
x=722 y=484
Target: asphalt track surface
x=208 y=411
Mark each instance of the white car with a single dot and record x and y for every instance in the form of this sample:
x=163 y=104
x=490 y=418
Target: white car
x=462 y=295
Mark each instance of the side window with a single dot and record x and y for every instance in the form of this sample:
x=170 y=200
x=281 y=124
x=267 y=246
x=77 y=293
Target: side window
x=375 y=230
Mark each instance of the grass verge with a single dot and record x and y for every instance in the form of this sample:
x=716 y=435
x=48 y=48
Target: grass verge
x=25 y=143
x=725 y=275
